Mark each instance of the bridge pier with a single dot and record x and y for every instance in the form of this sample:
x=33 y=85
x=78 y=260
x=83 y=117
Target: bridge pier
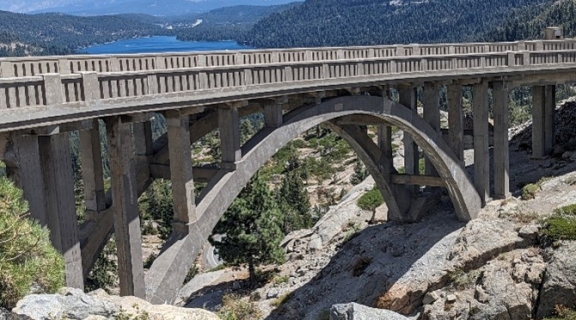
x=431 y=104
x=125 y=207
x=543 y=113
x=501 y=147
x=408 y=98
x=229 y=125
x=43 y=169
x=456 y=121
x=481 y=141
x=92 y=172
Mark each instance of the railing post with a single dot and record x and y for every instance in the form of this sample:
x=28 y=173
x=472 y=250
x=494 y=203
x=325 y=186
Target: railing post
x=526 y=58
x=6 y=70
x=90 y=86
x=64 y=66
x=114 y=64
x=539 y=45
x=340 y=54
x=400 y=51
x=152 y=87
x=238 y=59
x=511 y=59
x=416 y=50
x=248 y=80
x=521 y=45
x=288 y=77
x=307 y=55
x=53 y=89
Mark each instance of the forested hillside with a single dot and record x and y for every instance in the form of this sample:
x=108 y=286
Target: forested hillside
x=528 y=22
x=225 y=23
x=53 y=33
x=369 y=22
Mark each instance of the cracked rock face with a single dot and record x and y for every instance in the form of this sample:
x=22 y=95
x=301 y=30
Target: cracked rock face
x=559 y=286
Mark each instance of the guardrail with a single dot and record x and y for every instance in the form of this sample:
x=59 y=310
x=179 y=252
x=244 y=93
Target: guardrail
x=62 y=89
x=31 y=66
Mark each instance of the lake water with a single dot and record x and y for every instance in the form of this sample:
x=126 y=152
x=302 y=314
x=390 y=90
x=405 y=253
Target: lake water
x=161 y=44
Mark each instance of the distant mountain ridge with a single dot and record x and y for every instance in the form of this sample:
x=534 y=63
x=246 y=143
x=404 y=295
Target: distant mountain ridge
x=104 y=7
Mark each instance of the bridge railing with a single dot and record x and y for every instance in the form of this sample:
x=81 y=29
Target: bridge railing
x=62 y=89
x=31 y=66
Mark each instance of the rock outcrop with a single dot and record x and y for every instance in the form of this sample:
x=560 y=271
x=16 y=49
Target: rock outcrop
x=354 y=311
x=72 y=303
x=559 y=286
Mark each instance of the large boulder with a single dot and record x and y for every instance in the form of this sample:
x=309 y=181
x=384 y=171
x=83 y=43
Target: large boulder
x=74 y=304
x=559 y=286
x=354 y=311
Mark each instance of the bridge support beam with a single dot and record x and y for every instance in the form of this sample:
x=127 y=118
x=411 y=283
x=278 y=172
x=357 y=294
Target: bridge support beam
x=408 y=98
x=431 y=105
x=125 y=207
x=456 y=121
x=92 y=172
x=501 y=148
x=60 y=203
x=481 y=141
x=229 y=124
x=181 y=171
x=543 y=113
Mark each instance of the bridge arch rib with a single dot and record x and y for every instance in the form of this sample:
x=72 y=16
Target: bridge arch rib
x=218 y=195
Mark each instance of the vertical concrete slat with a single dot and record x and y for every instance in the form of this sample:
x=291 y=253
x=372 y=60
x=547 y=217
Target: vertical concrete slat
x=229 y=124
x=456 y=120
x=481 y=141
x=125 y=206
x=501 y=148
x=431 y=105
x=181 y=171
x=408 y=98
x=538 y=122
x=58 y=179
x=92 y=171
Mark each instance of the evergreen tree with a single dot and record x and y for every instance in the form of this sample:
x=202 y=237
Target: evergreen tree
x=293 y=198
x=252 y=229
x=360 y=173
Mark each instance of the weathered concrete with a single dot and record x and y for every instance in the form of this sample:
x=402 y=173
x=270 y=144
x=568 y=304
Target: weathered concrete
x=184 y=200
x=543 y=112
x=273 y=115
x=92 y=172
x=408 y=98
x=54 y=152
x=481 y=141
x=455 y=120
x=501 y=148
x=126 y=215
x=431 y=104
x=229 y=125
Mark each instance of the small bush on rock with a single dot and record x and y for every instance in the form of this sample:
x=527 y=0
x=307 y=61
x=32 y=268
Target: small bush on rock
x=27 y=258
x=529 y=191
x=563 y=313
x=234 y=308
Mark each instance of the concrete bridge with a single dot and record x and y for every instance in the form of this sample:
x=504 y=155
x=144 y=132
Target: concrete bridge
x=42 y=99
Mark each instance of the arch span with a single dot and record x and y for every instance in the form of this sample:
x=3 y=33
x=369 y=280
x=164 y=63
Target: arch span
x=226 y=185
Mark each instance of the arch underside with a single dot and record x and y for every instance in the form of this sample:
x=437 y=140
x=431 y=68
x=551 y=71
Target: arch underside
x=217 y=196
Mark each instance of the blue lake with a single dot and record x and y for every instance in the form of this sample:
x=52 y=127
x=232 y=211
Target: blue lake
x=161 y=44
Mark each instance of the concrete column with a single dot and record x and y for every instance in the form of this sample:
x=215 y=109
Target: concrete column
x=92 y=171
x=55 y=155
x=543 y=113
x=431 y=103
x=456 y=121
x=501 y=152
x=181 y=171
x=273 y=115
x=229 y=124
x=408 y=99
x=125 y=206
x=143 y=144
x=481 y=141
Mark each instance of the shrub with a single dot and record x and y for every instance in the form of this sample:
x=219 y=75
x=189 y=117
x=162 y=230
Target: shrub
x=560 y=227
x=371 y=200
x=281 y=300
x=529 y=191
x=233 y=308
x=568 y=210
x=563 y=313
x=26 y=256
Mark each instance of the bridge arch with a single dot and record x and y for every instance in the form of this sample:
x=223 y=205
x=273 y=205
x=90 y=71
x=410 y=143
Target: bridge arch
x=219 y=194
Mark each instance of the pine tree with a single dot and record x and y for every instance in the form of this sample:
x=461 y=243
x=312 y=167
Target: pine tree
x=293 y=198
x=360 y=173
x=252 y=229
